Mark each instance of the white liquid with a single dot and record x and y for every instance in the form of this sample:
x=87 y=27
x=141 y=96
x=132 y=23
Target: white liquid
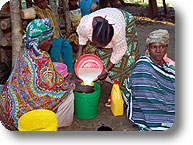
x=88 y=74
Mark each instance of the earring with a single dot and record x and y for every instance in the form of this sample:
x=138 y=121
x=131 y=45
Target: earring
x=147 y=52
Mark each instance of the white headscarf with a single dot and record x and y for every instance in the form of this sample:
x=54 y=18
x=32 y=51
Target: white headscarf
x=161 y=36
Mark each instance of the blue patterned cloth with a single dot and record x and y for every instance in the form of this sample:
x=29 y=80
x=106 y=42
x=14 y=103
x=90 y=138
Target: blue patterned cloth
x=150 y=95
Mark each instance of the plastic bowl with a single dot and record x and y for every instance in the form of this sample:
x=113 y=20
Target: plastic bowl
x=38 y=120
x=61 y=68
x=88 y=61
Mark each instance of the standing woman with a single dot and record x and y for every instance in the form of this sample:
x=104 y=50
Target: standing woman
x=113 y=31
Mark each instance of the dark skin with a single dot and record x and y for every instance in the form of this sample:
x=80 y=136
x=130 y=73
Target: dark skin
x=41 y=3
x=110 y=65
x=157 y=52
x=45 y=46
x=73 y=2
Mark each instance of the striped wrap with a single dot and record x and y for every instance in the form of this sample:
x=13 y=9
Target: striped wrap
x=150 y=95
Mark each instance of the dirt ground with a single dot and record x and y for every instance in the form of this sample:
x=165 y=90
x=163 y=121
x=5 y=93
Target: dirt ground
x=144 y=26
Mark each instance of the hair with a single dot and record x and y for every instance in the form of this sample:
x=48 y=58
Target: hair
x=35 y=1
x=103 y=32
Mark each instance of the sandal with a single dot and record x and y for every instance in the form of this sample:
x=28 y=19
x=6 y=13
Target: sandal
x=108 y=104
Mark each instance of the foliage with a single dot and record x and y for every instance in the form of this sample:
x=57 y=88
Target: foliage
x=146 y=3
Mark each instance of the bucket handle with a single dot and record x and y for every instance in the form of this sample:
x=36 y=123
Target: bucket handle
x=91 y=103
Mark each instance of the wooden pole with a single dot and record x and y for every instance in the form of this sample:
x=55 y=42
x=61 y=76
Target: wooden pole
x=165 y=7
x=66 y=14
x=55 y=8
x=16 y=24
x=2 y=55
x=153 y=12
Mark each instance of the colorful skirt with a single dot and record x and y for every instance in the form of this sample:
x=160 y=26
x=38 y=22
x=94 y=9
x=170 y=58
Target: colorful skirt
x=121 y=70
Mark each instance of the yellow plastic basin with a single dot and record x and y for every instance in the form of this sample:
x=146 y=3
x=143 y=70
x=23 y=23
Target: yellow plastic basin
x=38 y=120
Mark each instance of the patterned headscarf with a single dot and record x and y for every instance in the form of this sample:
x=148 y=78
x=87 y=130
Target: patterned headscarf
x=37 y=30
x=161 y=36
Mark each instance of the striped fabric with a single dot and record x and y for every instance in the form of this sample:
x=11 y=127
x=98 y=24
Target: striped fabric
x=150 y=95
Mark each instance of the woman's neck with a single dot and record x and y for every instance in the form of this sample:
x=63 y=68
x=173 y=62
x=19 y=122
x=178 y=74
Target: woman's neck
x=161 y=62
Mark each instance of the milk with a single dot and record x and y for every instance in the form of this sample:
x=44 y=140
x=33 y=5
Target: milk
x=88 y=75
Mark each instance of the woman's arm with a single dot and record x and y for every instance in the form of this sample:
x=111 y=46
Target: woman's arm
x=79 y=52
x=82 y=37
x=106 y=70
x=119 y=50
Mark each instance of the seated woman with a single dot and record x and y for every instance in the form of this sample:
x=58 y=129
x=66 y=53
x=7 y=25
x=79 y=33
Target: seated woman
x=150 y=90
x=35 y=83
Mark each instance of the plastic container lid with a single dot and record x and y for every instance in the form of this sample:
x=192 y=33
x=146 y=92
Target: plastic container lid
x=116 y=82
x=88 y=61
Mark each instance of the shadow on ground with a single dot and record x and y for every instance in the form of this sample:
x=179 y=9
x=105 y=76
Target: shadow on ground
x=105 y=116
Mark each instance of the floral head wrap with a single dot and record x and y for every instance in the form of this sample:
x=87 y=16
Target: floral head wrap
x=37 y=30
x=161 y=36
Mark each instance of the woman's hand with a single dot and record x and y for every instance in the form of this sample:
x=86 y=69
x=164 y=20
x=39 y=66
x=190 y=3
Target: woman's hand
x=79 y=52
x=105 y=72
x=103 y=75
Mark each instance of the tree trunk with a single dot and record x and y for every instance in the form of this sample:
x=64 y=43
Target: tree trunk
x=66 y=14
x=16 y=24
x=153 y=12
x=55 y=8
x=165 y=8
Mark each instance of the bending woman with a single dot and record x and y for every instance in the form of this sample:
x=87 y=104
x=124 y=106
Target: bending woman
x=150 y=91
x=113 y=31
x=35 y=83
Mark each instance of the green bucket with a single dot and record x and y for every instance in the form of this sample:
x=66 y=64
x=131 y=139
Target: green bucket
x=86 y=104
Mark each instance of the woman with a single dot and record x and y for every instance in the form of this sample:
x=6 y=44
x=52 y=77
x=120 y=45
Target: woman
x=35 y=83
x=114 y=30
x=60 y=45
x=150 y=91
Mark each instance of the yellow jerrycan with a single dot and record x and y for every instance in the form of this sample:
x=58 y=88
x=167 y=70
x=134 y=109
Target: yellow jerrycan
x=116 y=100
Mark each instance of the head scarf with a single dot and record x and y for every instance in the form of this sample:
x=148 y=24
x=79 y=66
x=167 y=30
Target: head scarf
x=161 y=36
x=37 y=30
